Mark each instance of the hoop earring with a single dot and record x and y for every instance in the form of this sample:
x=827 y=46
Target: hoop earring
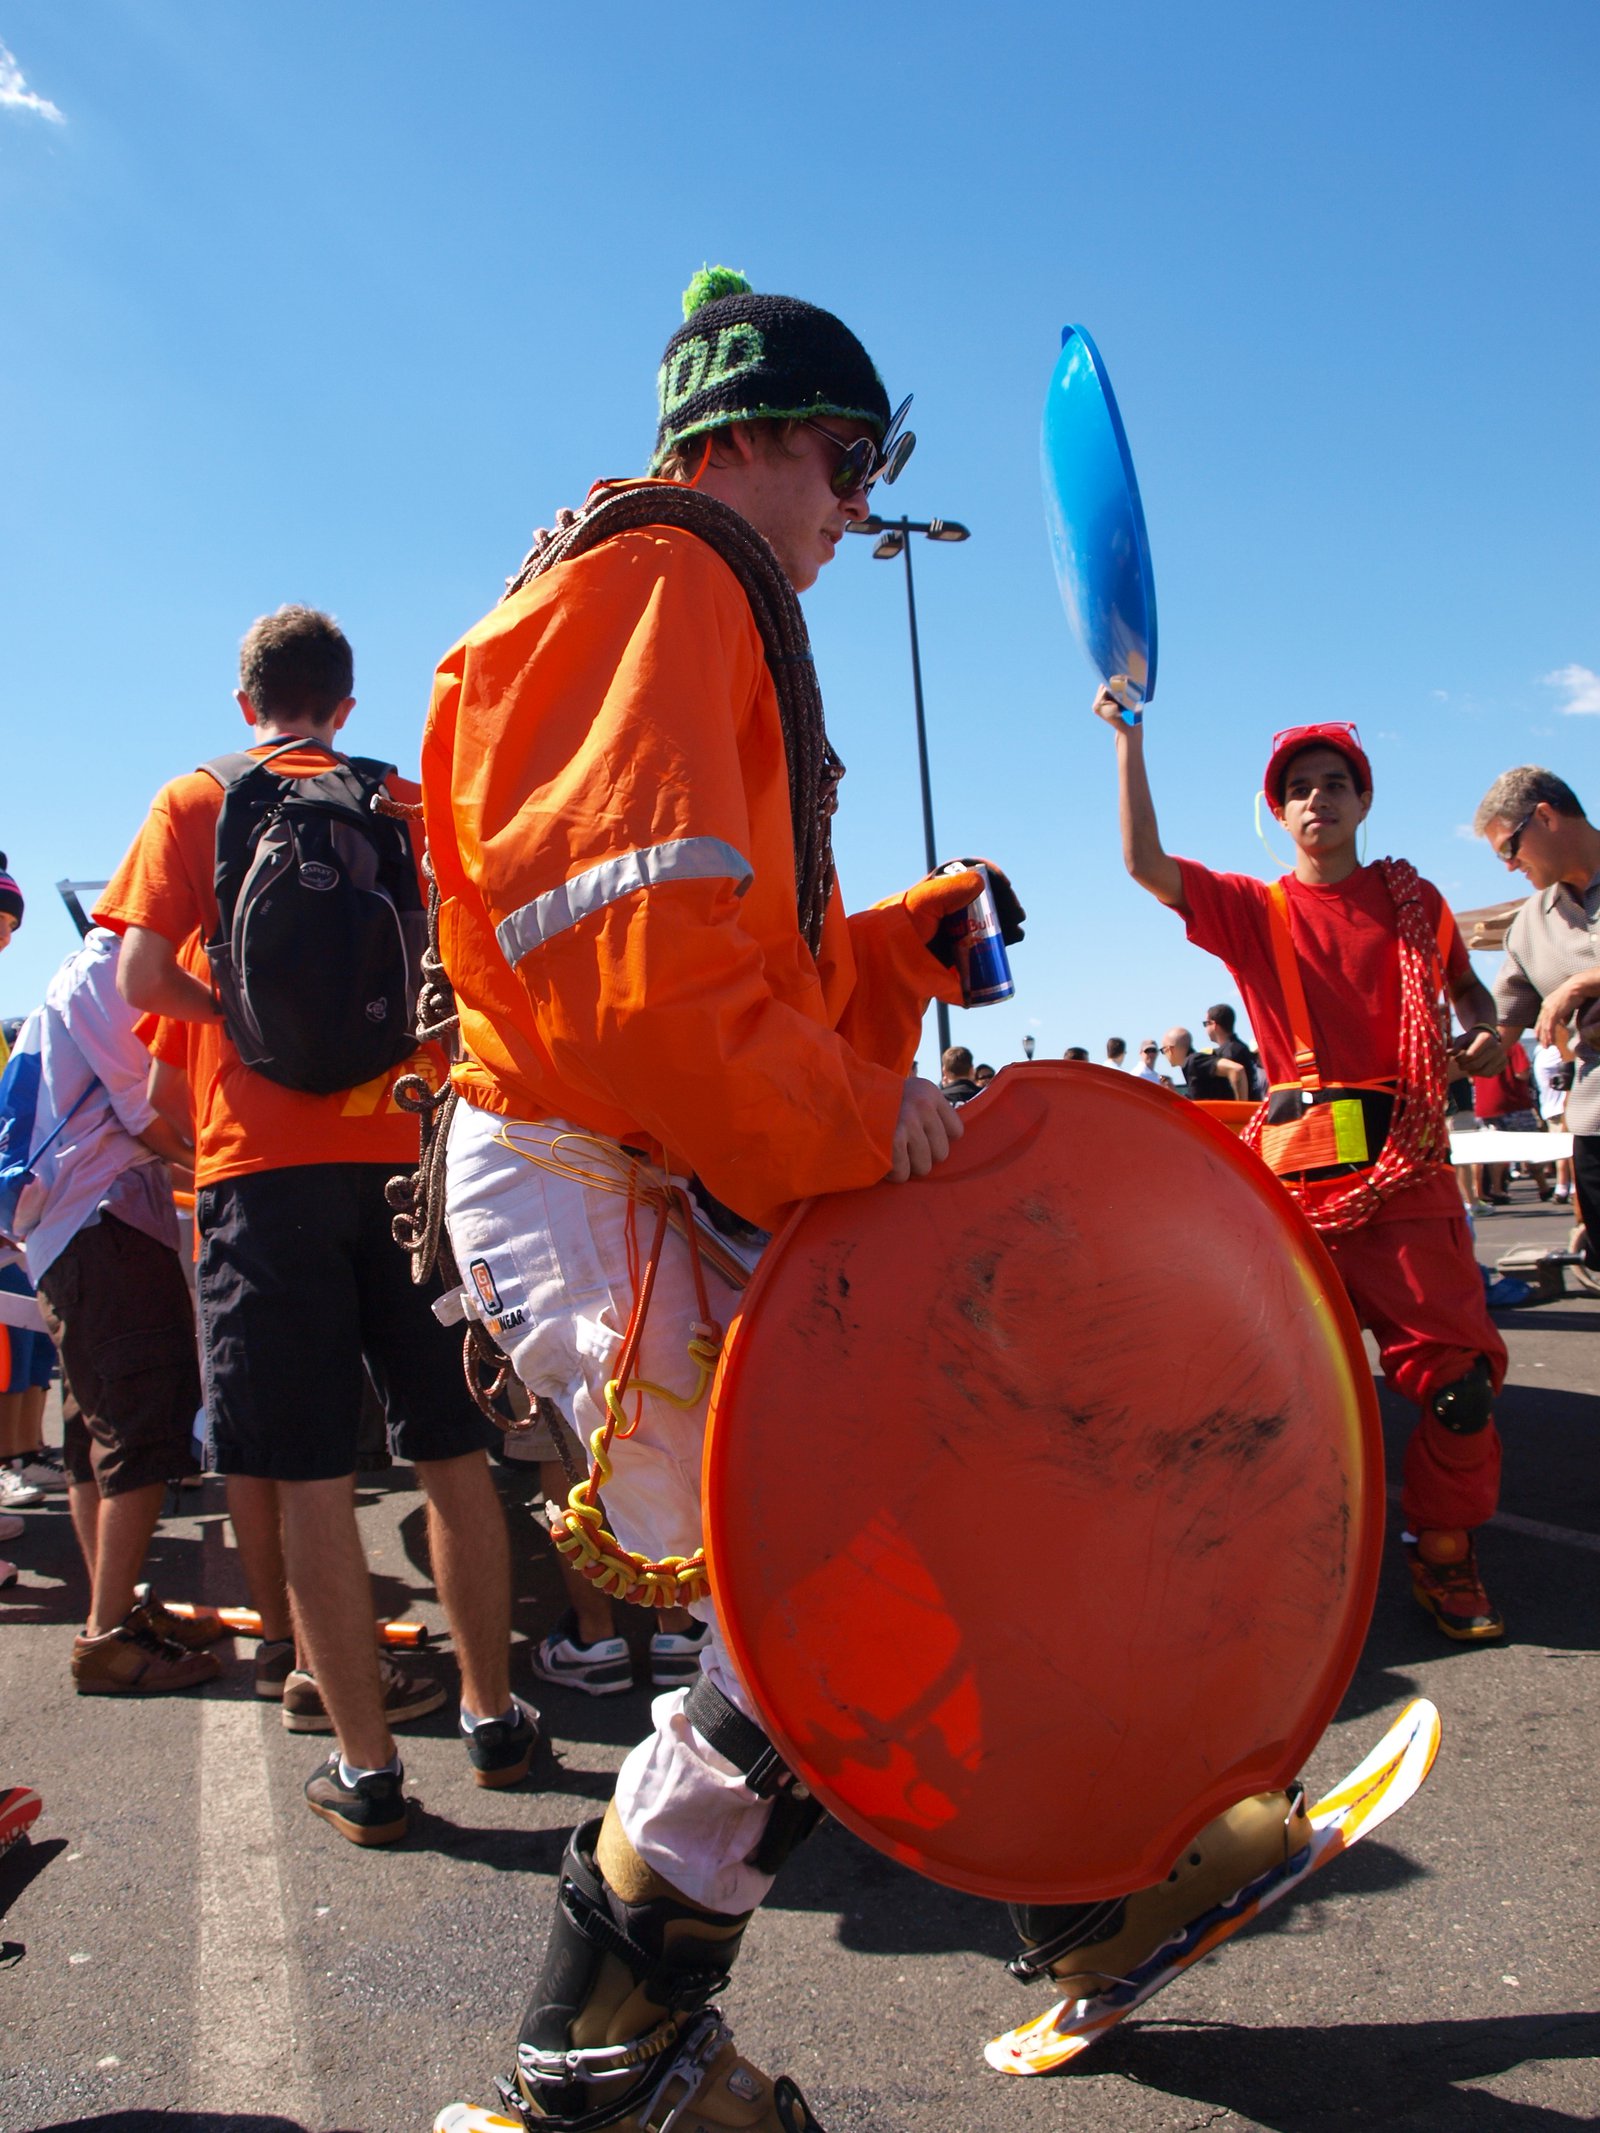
x=705 y=461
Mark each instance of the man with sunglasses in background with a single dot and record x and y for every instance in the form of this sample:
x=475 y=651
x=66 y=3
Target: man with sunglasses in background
x=1341 y=966
x=628 y=793
x=1551 y=974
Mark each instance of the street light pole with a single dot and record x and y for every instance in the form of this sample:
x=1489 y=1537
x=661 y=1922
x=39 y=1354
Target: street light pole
x=894 y=538
x=929 y=842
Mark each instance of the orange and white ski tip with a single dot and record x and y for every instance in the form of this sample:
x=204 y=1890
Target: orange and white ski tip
x=1378 y=1787
x=1390 y=1775
x=471 y=2118
x=20 y=1807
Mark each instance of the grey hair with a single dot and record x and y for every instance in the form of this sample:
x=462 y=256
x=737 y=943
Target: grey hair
x=1518 y=792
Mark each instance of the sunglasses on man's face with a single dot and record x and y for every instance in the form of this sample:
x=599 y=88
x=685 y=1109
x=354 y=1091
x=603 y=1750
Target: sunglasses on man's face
x=863 y=462
x=1513 y=844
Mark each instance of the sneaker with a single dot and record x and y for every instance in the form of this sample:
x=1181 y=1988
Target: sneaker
x=8 y=1573
x=500 y=1749
x=19 y=1810
x=15 y=1493
x=371 y=1811
x=41 y=1470
x=1445 y=1580
x=133 y=1660
x=405 y=1696
x=675 y=1656
x=603 y=1668
x=10 y=1527
x=193 y=1632
x=274 y=1665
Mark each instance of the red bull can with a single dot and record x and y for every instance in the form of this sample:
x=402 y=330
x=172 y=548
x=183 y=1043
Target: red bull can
x=981 y=959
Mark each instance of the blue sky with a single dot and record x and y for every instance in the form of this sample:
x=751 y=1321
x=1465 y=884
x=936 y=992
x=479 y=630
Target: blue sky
x=336 y=303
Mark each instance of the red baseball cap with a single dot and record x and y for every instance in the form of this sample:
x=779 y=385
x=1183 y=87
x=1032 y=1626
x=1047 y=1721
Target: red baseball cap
x=1294 y=740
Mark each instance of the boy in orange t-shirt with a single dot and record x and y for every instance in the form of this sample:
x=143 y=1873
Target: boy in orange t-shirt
x=301 y=1284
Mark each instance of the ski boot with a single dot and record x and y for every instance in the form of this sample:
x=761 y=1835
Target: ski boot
x=620 y=2032
x=1089 y=1947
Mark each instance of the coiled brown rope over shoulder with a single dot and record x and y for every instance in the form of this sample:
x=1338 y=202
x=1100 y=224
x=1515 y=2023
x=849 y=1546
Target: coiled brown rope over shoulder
x=418 y=1197
x=814 y=768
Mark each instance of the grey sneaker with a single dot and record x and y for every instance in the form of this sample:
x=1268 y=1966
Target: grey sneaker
x=500 y=1749
x=405 y=1696
x=675 y=1656
x=41 y=1470
x=604 y=1668
x=15 y=1493
x=274 y=1663
x=371 y=1811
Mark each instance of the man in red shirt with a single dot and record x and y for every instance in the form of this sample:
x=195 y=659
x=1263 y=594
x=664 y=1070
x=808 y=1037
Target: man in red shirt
x=1341 y=966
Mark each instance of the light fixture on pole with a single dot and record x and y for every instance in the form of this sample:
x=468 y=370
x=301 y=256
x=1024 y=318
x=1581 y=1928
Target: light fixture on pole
x=892 y=537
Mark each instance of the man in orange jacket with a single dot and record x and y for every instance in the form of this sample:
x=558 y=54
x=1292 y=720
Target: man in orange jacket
x=628 y=793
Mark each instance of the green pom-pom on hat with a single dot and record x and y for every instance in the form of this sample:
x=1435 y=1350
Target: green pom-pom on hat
x=709 y=284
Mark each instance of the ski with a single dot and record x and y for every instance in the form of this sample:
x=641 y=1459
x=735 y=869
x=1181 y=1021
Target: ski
x=1379 y=1786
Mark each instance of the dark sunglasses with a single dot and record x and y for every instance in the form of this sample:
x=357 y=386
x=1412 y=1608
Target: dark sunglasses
x=863 y=462
x=1513 y=844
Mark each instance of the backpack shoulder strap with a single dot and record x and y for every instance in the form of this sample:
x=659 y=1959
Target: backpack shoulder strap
x=232 y=769
x=1290 y=983
x=370 y=769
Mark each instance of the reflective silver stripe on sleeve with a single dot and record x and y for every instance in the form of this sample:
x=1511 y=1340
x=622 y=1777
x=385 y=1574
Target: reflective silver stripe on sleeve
x=683 y=859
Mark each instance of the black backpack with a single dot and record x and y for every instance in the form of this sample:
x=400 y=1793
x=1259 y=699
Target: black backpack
x=318 y=954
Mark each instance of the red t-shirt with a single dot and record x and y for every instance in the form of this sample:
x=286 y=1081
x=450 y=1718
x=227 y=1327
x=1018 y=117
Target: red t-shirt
x=243 y=1121
x=1499 y=1095
x=1348 y=947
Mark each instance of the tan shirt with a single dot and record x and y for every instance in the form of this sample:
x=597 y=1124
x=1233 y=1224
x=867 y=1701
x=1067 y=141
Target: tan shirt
x=1555 y=936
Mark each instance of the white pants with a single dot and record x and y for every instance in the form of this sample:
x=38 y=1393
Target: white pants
x=545 y=1258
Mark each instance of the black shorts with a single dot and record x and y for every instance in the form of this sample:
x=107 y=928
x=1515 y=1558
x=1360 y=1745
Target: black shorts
x=300 y=1282
x=118 y=1309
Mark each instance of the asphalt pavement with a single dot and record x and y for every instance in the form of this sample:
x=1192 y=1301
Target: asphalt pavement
x=187 y=1949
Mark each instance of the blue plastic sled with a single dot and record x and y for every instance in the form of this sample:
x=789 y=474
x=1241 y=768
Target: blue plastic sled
x=1095 y=518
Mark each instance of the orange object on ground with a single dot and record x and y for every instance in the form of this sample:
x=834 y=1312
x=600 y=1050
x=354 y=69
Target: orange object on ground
x=245 y=1622
x=1044 y=1495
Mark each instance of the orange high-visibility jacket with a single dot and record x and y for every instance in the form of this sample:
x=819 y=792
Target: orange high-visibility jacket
x=607 y=805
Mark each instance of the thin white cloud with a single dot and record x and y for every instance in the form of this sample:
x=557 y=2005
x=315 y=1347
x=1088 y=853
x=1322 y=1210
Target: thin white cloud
x=1440 y=696
x=1581 y=686
x=15 y=95
x=1466 y=832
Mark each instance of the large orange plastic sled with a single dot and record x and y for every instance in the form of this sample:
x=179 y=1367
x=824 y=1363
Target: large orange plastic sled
x=1044 y=1495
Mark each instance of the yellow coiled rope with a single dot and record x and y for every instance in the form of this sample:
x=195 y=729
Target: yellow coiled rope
x=578 y=1528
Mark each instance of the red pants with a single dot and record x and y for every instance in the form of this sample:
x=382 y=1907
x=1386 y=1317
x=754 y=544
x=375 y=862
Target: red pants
x=1416 y=1288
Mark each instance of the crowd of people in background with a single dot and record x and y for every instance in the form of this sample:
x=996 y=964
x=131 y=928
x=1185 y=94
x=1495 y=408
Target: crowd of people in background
x=122 y=1088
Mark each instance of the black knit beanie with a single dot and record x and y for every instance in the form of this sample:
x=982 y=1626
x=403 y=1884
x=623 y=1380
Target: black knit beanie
x=10 y=894
x=740 y=357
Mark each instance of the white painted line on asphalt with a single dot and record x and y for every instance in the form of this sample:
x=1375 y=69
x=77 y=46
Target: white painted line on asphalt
x=244 y=2022
x=1534 y=1528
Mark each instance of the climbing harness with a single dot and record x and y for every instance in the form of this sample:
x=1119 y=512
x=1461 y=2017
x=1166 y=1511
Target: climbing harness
x=578 y=1527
